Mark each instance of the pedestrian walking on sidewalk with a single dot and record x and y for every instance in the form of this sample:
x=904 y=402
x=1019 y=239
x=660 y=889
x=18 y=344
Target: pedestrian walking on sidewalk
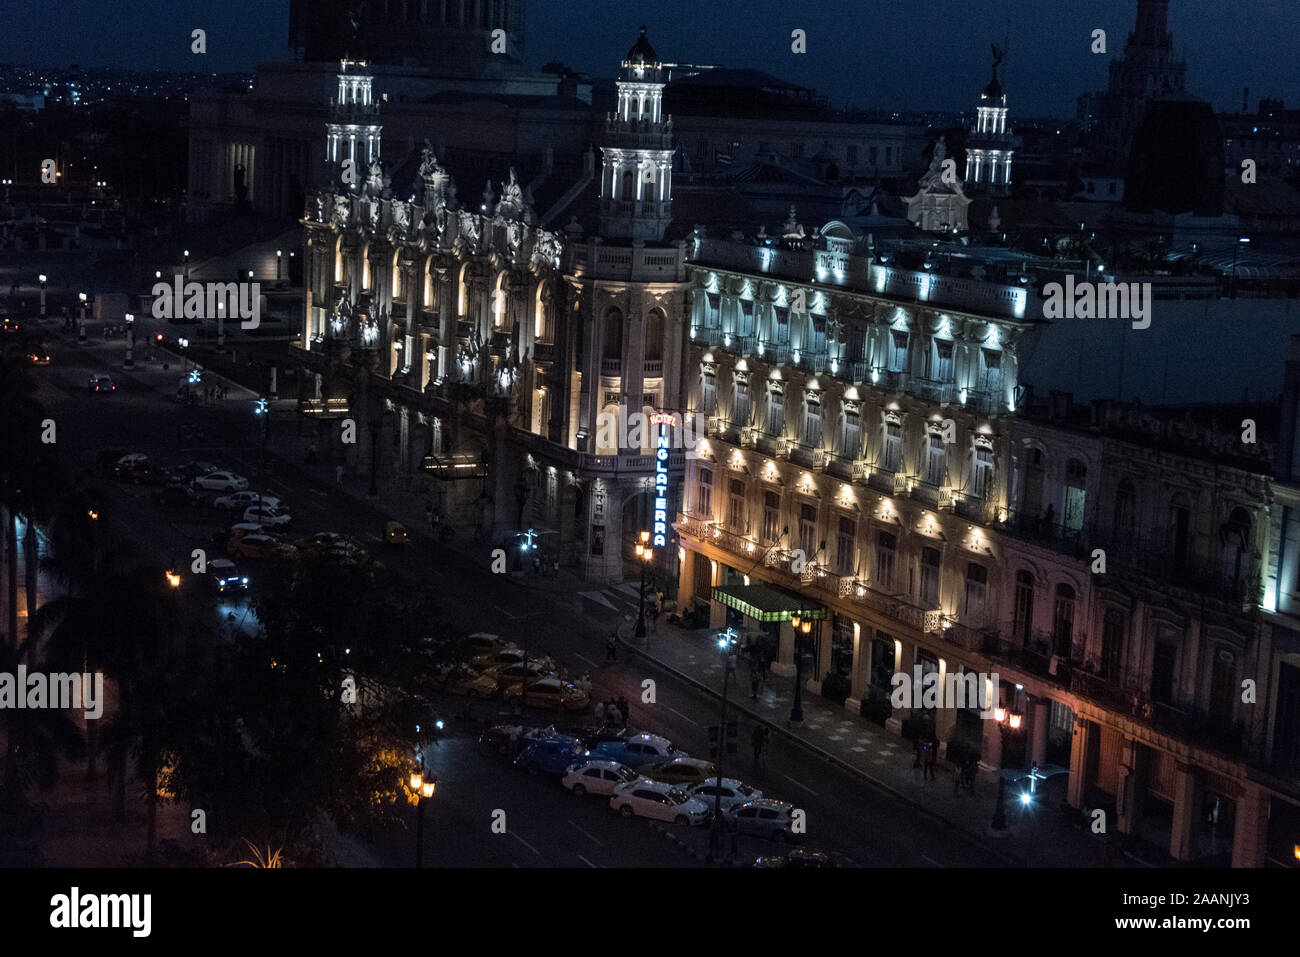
x=931 y=756
x=916 y=752
x=611 y=647
x=623 y=709
x=338 y=475
x=753 y=685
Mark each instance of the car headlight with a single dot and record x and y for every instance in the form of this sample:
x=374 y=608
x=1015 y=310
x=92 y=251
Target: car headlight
x=244 y=580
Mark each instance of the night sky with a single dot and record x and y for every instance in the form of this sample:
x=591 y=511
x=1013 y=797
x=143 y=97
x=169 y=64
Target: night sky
x=918 y=54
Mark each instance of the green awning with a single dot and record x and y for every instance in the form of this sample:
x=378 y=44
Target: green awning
x=767 y=604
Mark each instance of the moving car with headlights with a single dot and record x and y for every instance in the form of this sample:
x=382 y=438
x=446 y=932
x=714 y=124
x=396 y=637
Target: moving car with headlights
x=659 y=802
x=503 y=657
x=226 y=577
x=238 y=501
x=638 y=750
x=395 y=534
x=763 y=817
x=552 y=755
x=731 y=791
x=101 y=382
x=549 y=693
x=597 y=777
x=38 y=357
x=221 y=481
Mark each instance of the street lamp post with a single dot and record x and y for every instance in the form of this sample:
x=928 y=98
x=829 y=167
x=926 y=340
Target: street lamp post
x=279 y=258
x=801 y=626
x=1004 y=719
x=727 y=645
x=130 y=341
x=644 y=554
x=423 y=790
x=43 y=279
x=1241 y=241
x=81 y=325
x=187 y=265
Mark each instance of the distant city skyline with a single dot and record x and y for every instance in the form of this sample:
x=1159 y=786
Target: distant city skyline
x=867 y=54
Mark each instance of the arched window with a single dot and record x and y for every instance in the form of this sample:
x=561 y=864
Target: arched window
x=1032 y=503
x=629 y=186
x=654 y=334
x=1076 y=477
x=543 y=314
x=365 y=268
x=462 y=300
x=500 y=303
x=398 y=277
x=1123 y=521
x=1179 y=529
x=1235 y=537
x=338 y=259
x=613 y=334
x=1063 y=621
x=1022 y=624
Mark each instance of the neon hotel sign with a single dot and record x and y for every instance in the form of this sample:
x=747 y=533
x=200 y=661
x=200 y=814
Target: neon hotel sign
x=665 y=421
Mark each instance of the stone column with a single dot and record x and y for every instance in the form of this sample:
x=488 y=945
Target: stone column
x=1187 y=812
x=904 y=661
x=1083 y=730
x=945 y=718
x=784 y=664
x=857 y=678
x=1250 y=835
x=686 y=580
x=1038 y=721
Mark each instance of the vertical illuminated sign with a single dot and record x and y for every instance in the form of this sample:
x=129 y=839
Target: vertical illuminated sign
x=665 y=422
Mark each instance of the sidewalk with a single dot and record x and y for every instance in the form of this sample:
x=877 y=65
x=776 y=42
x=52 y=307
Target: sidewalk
x=1037 y=835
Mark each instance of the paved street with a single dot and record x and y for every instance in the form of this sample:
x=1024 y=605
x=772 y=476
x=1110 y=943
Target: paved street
x=898 y=820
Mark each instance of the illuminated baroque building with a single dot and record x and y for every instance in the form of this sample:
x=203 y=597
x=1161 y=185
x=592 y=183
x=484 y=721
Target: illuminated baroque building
x=990 y=146
x=474 y=348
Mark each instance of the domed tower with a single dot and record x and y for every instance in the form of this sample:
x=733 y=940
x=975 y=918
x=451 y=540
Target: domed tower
x=636 y=175
x=990 y=147
x=353 y=131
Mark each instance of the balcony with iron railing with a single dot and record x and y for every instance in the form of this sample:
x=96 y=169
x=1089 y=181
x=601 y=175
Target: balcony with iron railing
x=1154 y=556
x=1039 y=528
x=611 y=366
x=979 y=510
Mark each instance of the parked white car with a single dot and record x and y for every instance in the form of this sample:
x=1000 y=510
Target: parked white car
x=732 y=792
x=660 y=802
x=221 y=482
x=265 y=515
x=242 y=500
x=597 y=777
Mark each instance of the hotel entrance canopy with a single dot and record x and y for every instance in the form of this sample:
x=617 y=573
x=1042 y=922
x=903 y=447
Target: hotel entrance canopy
x=767 y=604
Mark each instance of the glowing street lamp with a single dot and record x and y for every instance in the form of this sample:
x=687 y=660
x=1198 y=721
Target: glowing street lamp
x=173 y=579
x=422 y=789
x=645 y=553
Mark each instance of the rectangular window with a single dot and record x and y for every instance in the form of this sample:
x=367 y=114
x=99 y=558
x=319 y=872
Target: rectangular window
x=740 y=404
x=982 y=474
x=745 y=327
x=808 y=532
x=889 y=155
x=1162 y=672
x=708 y=393
x=897 y=351
x=852 y=434
x=775 y=414
x=977 y=578
x=929 y=578
x=705 y=504
x=886 y=546
x=873 y=154
x=782 y=332
x=845 y=536
x=771 y=517
x=702 y=148
x=1112 y=643
x=812 y=421
x=992 y=372
x=736 y=506
x=892 y=453
x=817 y=344
x=1022 y=625
x=852 y=155
x=936 y=464
x=796 y=150
x=943 y=361
x=713 y=311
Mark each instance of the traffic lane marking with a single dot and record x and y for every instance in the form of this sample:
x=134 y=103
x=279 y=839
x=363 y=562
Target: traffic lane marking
x=800 y=784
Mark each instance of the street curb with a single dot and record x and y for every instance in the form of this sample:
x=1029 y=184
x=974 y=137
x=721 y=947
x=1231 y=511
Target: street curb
x=824 y=754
